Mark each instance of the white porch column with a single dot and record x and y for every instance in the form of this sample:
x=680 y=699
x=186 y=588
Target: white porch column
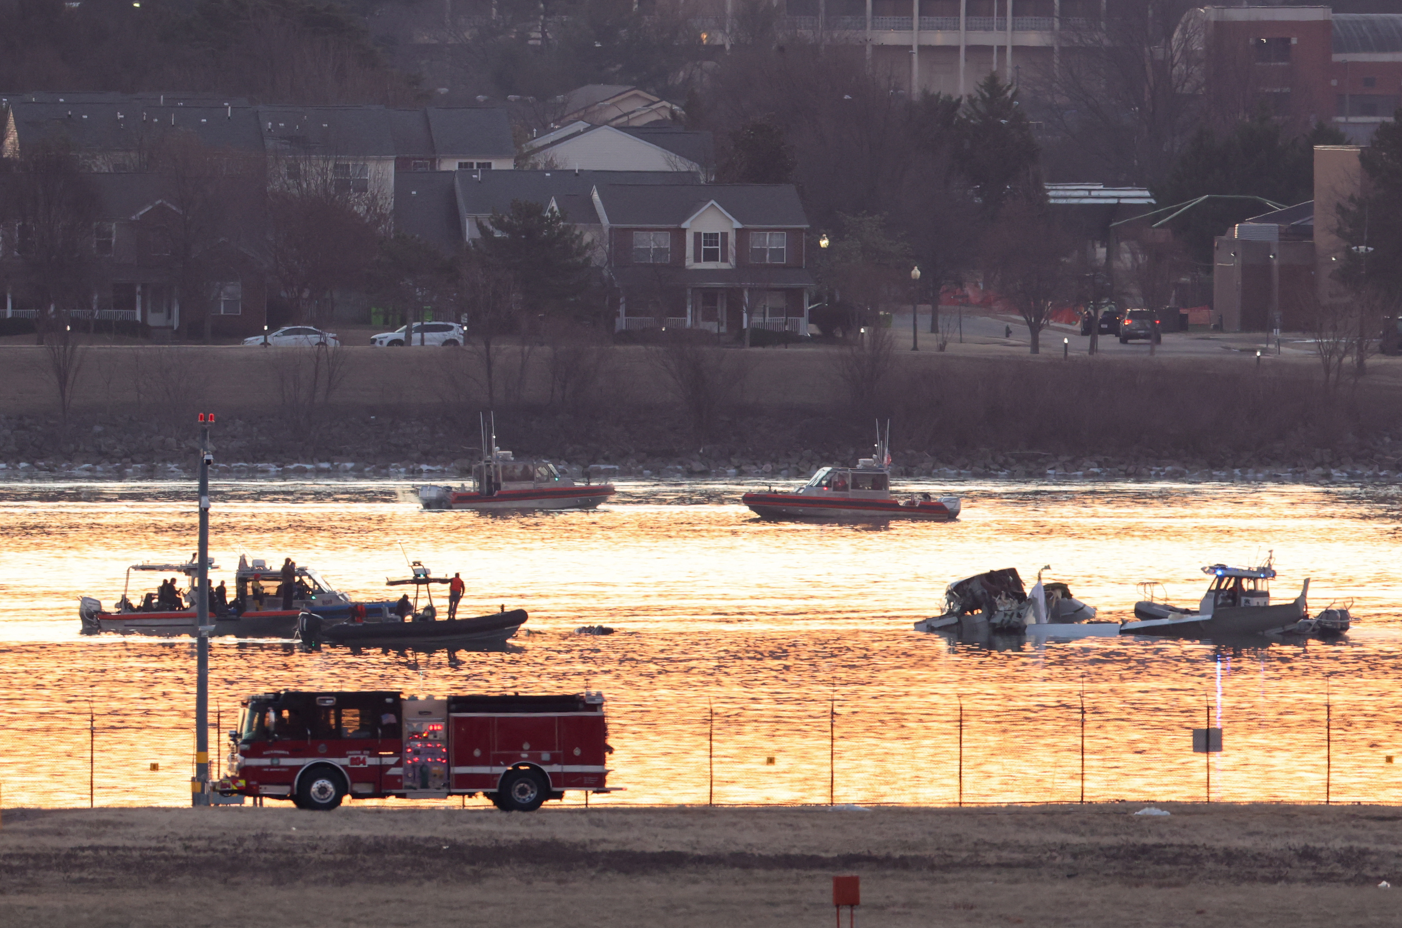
x=139 y=307
x=9 y=304
x=690 y=317
x=995 y=40
x=1056 y=38
x=868 y=38
x=963 y=41
x=914 y=48
x=1010 y=40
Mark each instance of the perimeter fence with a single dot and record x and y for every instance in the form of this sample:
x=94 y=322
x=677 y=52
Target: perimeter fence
x=1048 y=744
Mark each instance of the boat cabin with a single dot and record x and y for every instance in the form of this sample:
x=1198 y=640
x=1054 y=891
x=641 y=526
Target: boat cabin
x=1237 y=587
x=508 y=473
x=866 y=480
x=310 y=589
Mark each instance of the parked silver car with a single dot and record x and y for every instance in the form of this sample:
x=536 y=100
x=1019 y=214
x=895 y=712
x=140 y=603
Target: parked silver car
x=294 y=336
x=449 y=334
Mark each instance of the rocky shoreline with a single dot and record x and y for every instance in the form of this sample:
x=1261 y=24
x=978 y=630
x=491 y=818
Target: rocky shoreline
x=431 y=448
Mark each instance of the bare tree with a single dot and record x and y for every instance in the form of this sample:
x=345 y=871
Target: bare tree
x=307 y=380
x=324 y=226
x=1156 y=262
x=492 y=306
x=863 y=366
x=706 y=379
x=1126 y=88
x=1026 y=254
x=64 y=355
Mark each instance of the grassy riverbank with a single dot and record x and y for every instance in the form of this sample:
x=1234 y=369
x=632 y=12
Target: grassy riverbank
x=1054 y=866
x=705 y=409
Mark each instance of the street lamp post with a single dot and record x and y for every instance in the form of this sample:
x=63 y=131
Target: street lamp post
x=199 y=792
x=915 y=308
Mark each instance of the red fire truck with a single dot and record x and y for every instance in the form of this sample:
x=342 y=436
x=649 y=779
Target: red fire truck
x=317 y=748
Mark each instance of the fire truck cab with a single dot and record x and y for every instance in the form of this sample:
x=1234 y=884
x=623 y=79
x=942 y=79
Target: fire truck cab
x=316 y=748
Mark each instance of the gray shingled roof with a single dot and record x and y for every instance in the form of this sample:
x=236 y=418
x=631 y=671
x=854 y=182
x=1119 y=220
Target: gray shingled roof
x=582 y=98
x=751 y=204
x=328 y=130
x=409 y=129
x=1360 y=33
x=96 y=126
x=693 y=145
x=496 y=189
x=424 y=205
x=466 y=130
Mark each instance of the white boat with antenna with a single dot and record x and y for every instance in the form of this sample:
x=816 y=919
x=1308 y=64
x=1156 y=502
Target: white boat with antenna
x=857 y=494
x=503 y=483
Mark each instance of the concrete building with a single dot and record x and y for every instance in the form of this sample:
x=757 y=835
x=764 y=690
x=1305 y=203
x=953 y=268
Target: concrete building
x=1269 y=271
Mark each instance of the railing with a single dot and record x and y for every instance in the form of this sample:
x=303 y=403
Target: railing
x=121 y=315
x=847 y=23
x=789 y=324
x=939 y=23
x=674 y=322
x=634 y=323
x=891 y=23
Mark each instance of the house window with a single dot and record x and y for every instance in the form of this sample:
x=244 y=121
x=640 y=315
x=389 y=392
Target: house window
x=104 y=234
x=710 y=246
x=484 y=165
x=293 y=171
x=229 y=298
x=1272 y=51
x=1370 y=82
x=464 y=165
x=652 y=248
x=768 y=248
x=350 y=177
x=160 y=242
x=419 y=165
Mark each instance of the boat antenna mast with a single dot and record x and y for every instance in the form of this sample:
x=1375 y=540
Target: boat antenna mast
x=883 y=445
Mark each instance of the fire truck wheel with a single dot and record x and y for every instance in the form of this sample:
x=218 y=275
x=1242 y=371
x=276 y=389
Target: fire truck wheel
x=522 y=791
x=321 y=789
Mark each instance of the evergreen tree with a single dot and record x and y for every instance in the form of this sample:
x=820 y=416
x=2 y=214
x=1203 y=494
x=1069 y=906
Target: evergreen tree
x=758 y=154
x=994 y=148
x=545 y=255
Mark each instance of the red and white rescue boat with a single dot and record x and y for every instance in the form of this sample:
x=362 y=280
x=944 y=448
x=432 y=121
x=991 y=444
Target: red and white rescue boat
x=861 y=494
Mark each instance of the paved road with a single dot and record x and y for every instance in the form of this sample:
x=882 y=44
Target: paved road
x=990 y=328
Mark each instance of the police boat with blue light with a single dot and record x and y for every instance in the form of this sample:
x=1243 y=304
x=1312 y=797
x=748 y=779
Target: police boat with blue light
x=1237 y=603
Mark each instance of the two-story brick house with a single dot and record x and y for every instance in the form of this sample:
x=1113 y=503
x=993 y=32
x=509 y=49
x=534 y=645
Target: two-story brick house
x=142 y=264
x=714 y=257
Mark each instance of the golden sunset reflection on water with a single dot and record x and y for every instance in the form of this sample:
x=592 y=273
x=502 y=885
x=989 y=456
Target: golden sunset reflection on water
x=784 y=641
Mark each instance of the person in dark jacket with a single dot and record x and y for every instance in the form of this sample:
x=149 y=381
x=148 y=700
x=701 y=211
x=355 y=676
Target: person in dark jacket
x=404 y=608
x=289 y=583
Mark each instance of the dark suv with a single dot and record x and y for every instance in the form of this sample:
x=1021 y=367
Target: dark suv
x=1139 y=323
x=1110 y=316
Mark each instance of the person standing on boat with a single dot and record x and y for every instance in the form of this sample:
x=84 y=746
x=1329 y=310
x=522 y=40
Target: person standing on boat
x=455 y=588
x=221 y=599
x=289 y=582
x=255 y=593
x=404 y=608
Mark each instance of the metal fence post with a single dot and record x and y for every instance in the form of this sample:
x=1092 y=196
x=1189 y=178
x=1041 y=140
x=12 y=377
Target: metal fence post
x=1208 y=755
x=832 y=752
x=92 y=751
x=961 y=751
x=1328 y=743
x=1083 y=740
x=711 y=754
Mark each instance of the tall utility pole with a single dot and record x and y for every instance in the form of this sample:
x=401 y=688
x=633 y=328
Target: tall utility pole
x=199 y=791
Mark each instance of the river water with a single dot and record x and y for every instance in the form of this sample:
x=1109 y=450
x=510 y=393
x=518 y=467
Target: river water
x=752 y=662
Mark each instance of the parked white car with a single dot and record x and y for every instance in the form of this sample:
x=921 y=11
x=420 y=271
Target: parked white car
x=431 y=333
x=295 y=336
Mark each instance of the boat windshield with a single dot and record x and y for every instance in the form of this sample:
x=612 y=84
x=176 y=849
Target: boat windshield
x=318 y=583
x=818 y=478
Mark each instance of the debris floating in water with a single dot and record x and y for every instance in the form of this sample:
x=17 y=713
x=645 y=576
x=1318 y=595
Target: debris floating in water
x=1150 y=810
x=1384 y=885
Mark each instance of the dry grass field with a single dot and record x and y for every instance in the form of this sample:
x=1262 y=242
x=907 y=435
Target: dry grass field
x=1047 y=866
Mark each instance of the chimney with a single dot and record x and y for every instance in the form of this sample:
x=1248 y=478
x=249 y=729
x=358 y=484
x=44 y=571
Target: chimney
x=231 y=110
